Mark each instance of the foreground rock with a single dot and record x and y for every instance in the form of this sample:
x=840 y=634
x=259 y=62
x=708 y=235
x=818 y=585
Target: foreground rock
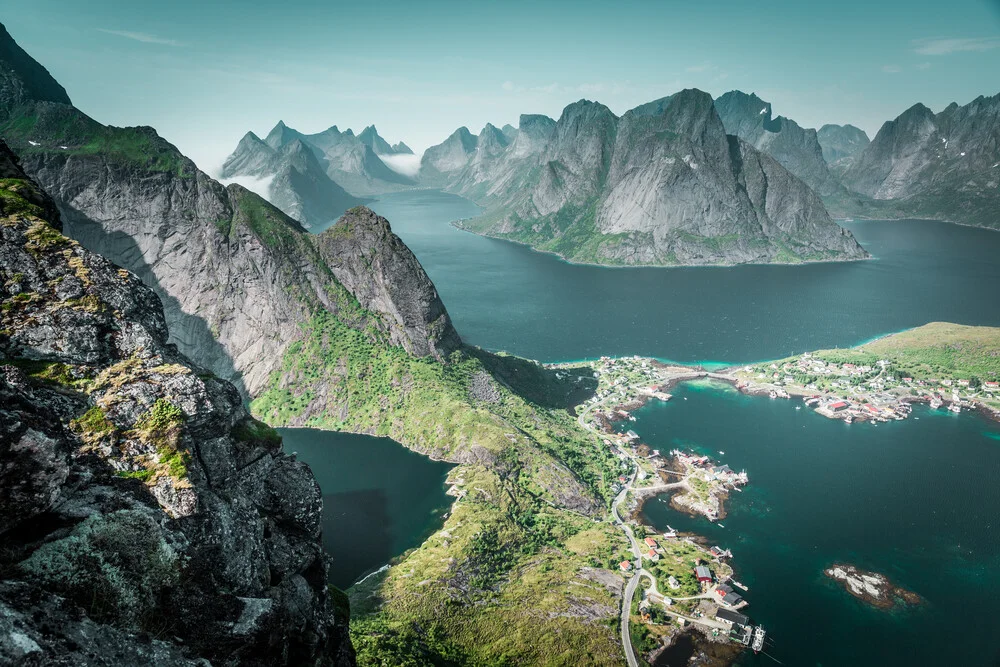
x=137 y=496
x=871 y=587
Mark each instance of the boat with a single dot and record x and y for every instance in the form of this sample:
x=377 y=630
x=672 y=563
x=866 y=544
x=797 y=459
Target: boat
x=722 y=453
x=742 y=587
x=798 y=407
x=773 y=394
x=954 y=408
x=722 y=525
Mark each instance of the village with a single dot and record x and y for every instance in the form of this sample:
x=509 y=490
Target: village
x=688 y=584
x=878 y=392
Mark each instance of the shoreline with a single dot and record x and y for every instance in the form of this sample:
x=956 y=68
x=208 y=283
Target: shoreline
x=457 y=225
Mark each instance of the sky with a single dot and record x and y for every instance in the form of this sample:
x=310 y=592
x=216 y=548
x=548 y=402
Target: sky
x=203 y=73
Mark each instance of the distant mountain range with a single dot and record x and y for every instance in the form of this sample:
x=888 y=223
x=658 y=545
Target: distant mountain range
x=943 y=166
x=316 y=177
x=840 y=142
x=796 y=148
x=663 y=184
x=574 y=188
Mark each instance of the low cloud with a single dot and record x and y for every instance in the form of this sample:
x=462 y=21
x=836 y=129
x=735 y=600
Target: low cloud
x=143 y=37
x=891 y=69
x=407 y=165
x=924 y=66
x=948 y=45
x=261 y=186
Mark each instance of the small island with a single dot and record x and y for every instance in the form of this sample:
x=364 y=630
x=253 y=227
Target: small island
x=871 y=587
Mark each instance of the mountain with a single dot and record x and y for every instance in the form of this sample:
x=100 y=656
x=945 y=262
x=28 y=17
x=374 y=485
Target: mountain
x=247 y=291
x=663 y=184
x=943 y=166
x=841 y=141
x=370 y=137
x=140 y=499
x=449 y=156
x=350 y=162
x=22 y=79
x=509 y=131
x=795 y=148
x=298 y=185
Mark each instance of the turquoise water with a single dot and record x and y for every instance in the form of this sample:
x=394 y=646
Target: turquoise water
x=916 y=500
x=504 y=296
x=379 y=498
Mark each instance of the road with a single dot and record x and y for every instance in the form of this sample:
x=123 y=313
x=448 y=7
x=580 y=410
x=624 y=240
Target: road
x=633 y=583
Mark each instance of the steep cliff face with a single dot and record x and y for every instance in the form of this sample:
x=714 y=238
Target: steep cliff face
x=942 y=166
x=384 y=276
x=797 y=149
x=137 y=496
x=841 y=141
x=237 y=277
x=663 y=184
x=448 y=157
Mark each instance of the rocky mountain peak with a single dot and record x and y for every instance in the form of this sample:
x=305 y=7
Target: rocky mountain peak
x=23 y=79
x=491 y=136
x=385 y=277
x=280 y=135
x=797 y=149
x=370 y=137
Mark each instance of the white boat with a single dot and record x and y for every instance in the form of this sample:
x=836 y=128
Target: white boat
x=722 y=453
x=954 y=408
x=722 y=525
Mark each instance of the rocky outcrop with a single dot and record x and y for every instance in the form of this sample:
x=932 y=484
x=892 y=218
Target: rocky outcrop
x=385 y=277
x=236 y=276
x=871 y=587
x=797 y=149
x=943 y=166
x=298 y=185
x=663 y=184
x=137 y=496
x=841 y=141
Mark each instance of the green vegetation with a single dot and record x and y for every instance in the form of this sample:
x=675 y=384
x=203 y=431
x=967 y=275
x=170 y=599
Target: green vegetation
x=43 y=237
x=92 y=426
x=65 y=130
x=13 y=200
x=941 y=350
x=53 y=373
x=499 y=583
x=270 y=225
x=141 y=475
x=161 y=427
x=255 y=432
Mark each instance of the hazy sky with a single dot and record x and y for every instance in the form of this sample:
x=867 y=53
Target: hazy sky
x=203 y=73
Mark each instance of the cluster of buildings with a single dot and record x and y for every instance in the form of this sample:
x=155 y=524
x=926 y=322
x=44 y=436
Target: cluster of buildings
x=708 y=471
